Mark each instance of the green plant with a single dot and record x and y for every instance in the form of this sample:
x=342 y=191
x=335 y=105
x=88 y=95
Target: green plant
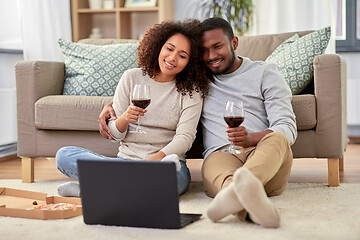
x=237 y=12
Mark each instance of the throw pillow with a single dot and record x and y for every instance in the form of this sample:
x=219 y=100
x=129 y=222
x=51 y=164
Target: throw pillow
x=95 y=70
x=294 y=57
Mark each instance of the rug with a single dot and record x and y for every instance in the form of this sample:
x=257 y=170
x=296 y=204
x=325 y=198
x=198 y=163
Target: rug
x=308 y=211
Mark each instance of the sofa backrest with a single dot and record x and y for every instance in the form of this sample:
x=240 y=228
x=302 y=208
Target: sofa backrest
x=106 y=41
x=254 y=47
x=261 y=46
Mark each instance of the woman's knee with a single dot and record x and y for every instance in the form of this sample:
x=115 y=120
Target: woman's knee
x=184 y=178
x=63 y=155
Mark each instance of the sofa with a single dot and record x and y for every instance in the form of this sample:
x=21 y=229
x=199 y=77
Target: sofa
x=48 y=120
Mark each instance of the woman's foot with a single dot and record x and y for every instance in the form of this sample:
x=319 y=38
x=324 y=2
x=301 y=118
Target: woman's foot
x=69 y=189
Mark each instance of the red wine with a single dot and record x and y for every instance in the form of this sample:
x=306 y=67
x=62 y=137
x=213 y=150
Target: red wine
x=233 y=121
x=141 y=103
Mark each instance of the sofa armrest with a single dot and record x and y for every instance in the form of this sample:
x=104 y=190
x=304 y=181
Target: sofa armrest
x=34 y=80
x=330 y=93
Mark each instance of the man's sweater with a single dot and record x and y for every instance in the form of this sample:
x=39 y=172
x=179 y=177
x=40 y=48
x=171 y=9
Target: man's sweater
x=266 y=97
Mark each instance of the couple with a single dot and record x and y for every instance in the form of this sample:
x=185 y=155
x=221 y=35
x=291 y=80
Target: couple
x=182 y=90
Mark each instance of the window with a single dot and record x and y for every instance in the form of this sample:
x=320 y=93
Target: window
x=348 y=26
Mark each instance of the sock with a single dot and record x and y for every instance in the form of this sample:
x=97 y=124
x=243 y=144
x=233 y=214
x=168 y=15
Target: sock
x=225 y=203
x=69 y=189
x=173 y=158
x=251 y=194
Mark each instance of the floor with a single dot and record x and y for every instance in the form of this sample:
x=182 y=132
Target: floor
x=303 y=170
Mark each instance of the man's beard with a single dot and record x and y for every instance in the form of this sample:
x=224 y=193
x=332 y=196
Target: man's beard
x=228 y=66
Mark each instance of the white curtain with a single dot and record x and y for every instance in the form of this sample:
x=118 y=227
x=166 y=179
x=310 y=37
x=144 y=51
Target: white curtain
x=278 y=16
x=43 y=22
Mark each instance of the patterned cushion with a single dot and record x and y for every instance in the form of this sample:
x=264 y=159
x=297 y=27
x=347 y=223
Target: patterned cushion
x=94 y=70
x=295 y=57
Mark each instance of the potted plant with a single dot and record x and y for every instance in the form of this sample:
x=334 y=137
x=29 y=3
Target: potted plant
x=237 y=12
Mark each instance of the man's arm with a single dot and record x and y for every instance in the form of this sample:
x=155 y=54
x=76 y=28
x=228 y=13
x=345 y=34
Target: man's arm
x=106 y=113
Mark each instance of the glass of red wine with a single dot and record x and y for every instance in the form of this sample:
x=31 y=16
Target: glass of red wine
x=141 y=98
x=233 y=116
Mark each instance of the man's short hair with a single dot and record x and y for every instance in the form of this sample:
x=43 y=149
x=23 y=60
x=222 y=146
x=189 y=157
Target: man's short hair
x=216 y=22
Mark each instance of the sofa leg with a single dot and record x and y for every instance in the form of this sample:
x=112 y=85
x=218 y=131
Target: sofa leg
x=341 y=163
x=27 y=168
x=333 y=172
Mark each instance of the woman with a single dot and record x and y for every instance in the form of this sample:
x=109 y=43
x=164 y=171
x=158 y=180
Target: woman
x=170 y=63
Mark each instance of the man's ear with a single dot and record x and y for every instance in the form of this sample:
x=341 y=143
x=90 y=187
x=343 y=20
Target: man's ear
x=235 y=42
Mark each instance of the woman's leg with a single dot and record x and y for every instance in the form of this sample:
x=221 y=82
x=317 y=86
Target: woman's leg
x=183 y=178
x=66 y=159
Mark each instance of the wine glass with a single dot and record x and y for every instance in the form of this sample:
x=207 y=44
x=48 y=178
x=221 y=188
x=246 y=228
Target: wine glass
x=141 y=98
x=233 y=116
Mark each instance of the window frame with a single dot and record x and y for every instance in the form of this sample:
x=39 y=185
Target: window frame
x=351 y=43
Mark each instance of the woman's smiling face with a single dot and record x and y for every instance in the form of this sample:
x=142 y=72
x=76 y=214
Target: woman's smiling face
x=174 y=55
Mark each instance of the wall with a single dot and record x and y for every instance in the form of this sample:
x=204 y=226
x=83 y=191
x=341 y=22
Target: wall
x=353 y=90
x=10 y=43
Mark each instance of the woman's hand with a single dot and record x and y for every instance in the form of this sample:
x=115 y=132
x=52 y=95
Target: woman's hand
x=132 y=113
x=157 y=156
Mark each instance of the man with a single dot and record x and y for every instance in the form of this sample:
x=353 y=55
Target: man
x=240 y=183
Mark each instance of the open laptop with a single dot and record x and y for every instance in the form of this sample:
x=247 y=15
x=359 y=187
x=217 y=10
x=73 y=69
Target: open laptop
x=131 y=193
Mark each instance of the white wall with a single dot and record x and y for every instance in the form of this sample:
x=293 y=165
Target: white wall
x=10 y=36
x=10 y=39
x=353 y=90
x=8 y=127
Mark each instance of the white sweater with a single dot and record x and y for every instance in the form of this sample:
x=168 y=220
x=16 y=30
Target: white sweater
x=170 y=121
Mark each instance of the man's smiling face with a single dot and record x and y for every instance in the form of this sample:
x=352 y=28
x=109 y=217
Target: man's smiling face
x=218 y=55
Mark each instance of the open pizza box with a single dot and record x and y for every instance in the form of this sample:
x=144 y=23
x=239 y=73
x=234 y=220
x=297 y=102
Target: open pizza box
x=21 y=203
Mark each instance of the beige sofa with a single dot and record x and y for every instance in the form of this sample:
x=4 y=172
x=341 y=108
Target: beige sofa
x=48 y=120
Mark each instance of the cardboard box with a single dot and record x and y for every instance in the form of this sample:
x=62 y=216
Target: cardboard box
x=18 y=203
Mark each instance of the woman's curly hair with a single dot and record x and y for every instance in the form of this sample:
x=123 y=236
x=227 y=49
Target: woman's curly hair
x=194 y=77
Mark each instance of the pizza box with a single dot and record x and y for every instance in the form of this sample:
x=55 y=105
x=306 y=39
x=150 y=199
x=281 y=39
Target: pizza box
x=21 y=203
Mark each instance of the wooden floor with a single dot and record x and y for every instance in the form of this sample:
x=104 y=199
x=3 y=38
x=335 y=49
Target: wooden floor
x=303 y=170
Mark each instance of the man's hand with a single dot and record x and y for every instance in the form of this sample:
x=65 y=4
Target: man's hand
x=241 y=137
x=106 y=113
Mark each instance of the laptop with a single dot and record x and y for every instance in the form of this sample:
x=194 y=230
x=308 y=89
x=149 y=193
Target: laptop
x=131 y=193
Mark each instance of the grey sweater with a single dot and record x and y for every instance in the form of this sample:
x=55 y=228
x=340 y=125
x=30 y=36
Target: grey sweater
x=170 y=121
x=267 y=103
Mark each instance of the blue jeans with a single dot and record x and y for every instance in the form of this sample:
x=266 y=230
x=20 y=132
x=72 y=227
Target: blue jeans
x=66 y=161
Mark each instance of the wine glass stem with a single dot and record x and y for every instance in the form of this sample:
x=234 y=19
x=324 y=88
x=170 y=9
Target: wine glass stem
x=231 y=147
x=138 y=128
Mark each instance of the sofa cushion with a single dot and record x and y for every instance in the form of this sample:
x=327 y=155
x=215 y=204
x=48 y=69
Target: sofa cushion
x=304 y=107
x=60 y=112
x=295 y=58
x=259 y=47
x=94 y=70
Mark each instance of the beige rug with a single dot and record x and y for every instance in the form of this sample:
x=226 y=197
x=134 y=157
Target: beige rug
x=308 y=211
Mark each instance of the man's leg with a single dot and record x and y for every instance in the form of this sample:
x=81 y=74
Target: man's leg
x=271 y=163
x=218 y=169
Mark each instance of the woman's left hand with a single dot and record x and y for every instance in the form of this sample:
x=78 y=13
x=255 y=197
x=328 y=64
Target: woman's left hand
x=157 y=156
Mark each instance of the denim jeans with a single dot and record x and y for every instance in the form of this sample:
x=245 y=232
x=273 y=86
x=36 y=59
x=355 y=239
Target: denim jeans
x=66 y=161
